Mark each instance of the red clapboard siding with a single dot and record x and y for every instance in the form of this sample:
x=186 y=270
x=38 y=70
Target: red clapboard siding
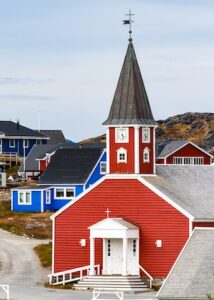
x=147 y=168
x=42 y=165
x=189 y=151
x=131 y=200
x=202 y=224
x=160 y=161
x=121 y=167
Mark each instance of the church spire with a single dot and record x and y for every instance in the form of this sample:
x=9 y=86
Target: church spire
x=130 y=103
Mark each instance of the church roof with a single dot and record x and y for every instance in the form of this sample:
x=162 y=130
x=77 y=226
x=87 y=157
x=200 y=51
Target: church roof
x=190 y=187
x=130 y=104
x=192 y=275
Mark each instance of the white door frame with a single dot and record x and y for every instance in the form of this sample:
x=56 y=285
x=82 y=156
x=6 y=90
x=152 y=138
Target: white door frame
x=0 y=145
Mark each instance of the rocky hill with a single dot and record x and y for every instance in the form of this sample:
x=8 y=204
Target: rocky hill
x=195 y=127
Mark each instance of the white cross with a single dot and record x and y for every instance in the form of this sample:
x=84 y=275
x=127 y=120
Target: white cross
x=107 y=212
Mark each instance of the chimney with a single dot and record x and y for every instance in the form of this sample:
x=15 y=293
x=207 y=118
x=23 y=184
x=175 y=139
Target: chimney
x=17 y=125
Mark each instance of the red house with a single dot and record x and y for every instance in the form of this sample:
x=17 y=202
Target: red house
x=138 y=217
x=182 y=153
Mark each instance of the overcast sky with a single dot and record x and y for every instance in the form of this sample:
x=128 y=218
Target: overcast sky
x=63 y=58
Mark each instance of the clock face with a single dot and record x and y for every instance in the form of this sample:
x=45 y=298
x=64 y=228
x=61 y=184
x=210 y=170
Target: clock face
x=122 y=135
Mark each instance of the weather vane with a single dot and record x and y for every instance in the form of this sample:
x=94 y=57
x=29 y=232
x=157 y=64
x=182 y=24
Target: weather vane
x=129 y=22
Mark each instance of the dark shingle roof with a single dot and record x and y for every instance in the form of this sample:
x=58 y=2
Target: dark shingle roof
x=130 y=104
x=167 y=147
x=190 y=187
x=192 y=277
x=10 y=128
x=71 y=166
x=56 y=136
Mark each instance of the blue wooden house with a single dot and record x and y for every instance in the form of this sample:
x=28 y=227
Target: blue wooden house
x=70 y=172
x=18 y=140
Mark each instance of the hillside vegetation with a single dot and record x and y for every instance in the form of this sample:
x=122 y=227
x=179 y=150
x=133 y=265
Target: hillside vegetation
x=195 y=127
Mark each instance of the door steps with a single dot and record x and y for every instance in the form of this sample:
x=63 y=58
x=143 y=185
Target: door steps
x=109 y=283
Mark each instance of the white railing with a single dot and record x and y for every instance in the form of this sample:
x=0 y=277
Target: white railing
x=150 y=277
x=6 y=289
x=71 y=275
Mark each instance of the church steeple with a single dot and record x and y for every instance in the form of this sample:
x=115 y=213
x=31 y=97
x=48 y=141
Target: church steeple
x=131 y=126
x=130 y=103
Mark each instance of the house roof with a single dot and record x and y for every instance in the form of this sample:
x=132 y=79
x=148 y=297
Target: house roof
x=130 y=103
x=56 y=136
x=71 y=166
x=192 y=276
x=165 y=148
x=10 y=128
x=31 y=164
x=190 y=187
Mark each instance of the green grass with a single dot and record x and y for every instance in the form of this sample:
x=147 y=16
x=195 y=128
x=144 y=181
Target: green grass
x=44 y=252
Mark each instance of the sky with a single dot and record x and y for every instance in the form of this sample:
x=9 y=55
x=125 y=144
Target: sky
x=60 y=59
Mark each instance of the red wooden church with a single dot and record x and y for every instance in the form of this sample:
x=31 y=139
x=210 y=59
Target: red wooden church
x=140 y=215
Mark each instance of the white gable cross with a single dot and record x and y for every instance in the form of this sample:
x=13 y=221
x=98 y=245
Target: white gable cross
x=107 y=212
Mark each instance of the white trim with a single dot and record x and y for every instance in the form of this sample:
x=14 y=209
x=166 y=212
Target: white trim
x=177 y=259
x=166 y=198
x=25 y=143
x=97 y=163
x=154 y=151
x=53 y=244
x=11 y=193
x=146 y=152
x=108 y=151
x=78 y=197
x=190 y=226
x=130 y=125
x=64 y=192
x=24 y=192
x=203 y=221
x=21 y=137
x=136 y=150
x=42 y=201
x=187 y=142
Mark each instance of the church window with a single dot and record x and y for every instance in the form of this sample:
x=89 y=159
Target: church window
x=121 y=155
x=134 y=247
x=145 y=135
x=146 y=155
x=109 y=247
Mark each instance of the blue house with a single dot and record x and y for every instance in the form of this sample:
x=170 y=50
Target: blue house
x=69 y=173
x=18 y=140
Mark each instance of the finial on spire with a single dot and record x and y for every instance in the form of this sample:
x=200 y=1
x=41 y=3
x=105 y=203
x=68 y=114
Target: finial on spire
x=129 y=22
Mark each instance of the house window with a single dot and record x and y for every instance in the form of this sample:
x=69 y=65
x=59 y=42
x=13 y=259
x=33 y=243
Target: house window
x=24 y=198
x=145 y=135
x=25 y=143
x=12 y=143
x=64 y=193
x=146 y=155
x=103 y=168
x=48 y=197
x=121 y=155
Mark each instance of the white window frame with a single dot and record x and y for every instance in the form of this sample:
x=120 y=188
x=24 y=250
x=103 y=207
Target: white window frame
x=147 y=131
x=64 y=192
x=120 y=152
x=146 y=152
x=179 y=160
x=24 y=198
x=12 y=145
x=48 y=197
x=25 y=144
x=103 y=164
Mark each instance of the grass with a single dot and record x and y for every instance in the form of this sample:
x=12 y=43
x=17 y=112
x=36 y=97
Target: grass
x=44 y=252
x=34 y=225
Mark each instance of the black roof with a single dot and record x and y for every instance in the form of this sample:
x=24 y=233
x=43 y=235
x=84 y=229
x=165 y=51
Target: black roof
x=130 y=104
x=70 y=166
x=56 y=136
x=10 y=128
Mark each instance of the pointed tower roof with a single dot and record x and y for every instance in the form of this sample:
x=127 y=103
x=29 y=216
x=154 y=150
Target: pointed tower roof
x=130 y=104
